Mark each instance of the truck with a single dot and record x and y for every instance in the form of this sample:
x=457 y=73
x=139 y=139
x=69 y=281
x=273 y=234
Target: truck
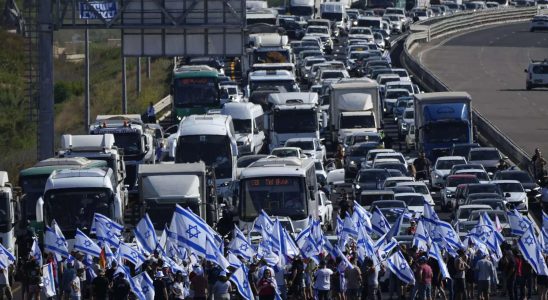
x=189 y=185
x=97 y=147
x=72 y=197
x=303 y=8
x=441 y=120
x=292 y=115
x=9 y=217
x=336 y=13
x=354 y=106
x=130 y=137
x=266 y=45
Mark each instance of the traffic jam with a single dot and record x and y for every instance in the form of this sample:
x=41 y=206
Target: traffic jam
x=312 y=167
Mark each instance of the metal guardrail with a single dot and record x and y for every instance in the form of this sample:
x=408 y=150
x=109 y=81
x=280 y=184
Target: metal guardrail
x=457 y=23
x=162 y=108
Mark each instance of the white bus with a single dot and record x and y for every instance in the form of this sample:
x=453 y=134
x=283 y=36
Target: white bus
x=283 y=187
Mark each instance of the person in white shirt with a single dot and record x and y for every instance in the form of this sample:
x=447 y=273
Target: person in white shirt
x=322 y=282
x=75 y=286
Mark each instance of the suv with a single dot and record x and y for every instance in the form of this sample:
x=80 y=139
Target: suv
x=539 y=22
x=537 y=74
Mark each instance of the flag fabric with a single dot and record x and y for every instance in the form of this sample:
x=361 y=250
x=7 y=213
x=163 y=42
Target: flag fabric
x=386 y=247
x=310 y=249
x=329 y=247
x=125 y=251
x=134 y=285
x=447 y=232
x=349 y=230
x=55 y=243
x=518 y=224
x=545 y=221
x=114 y=228
x=361 y=217
x=421 y=238
x=85 y=245
x=396 y=227
x=498 y=226
x=233 y=260
x=365 y=246
x=146 y=285
x=340 y=224
x=214 y=255
x=379 y=224
x=531 y=250
x=343 y=257
x=430 y=217
x=399 y=266
x=240 y=245
x=263 y=221
x=239 y=278
x=435 y=253
x=48 y=280
x=105 y=235
x=103 y=259
x=146 y=235
x=544 y=237
x=191 y=231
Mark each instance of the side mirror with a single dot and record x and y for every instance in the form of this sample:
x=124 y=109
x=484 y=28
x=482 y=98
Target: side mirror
x=255 y=130
x=507 y=195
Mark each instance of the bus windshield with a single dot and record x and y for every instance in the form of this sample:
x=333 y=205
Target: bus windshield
x=130 y=142
x=213 y=150
x=294 y=121
x=278 y=196
x=192 y=92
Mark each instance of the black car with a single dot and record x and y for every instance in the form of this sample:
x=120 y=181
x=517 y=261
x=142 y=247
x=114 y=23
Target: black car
x=529 y=185
x=462 y=149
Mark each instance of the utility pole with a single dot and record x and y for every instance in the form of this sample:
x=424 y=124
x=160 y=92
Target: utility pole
x=138 y=75
x=124 y=79
x=86 y=81
x=46 y=129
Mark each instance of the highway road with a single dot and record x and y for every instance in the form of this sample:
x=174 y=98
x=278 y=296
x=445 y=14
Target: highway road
x=489 y=64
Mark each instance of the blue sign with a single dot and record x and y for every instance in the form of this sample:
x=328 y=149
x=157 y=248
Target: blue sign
x=106 y=9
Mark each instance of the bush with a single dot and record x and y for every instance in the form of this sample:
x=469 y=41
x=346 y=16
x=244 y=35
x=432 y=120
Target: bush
x=64 y=90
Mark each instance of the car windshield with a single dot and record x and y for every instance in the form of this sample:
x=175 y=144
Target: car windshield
x=446 y=164
x=464 y=213
x=455 y=181
x=397 y=166
x=474 y=216
x=242 y=126
x=372 y=176
x=421 y=189
x=366 y=138
x=360 y=31
x=314 y=61
x=360 y=150
x=483 y=188
x=396 y=94
x=304 y=145
x=402 y=104
x=322 y=30
x=285 y=152
x=332 y=75
x=368 y=199
x=484 y=155
x=511 y=187
x=522 y=177
x=410 y=114
x=494 y=204
x=363 y=121
x=213 y=150
x=359 y=55
x=130 y=142
x=288 y=85
x=196 y=91
x=411 y=200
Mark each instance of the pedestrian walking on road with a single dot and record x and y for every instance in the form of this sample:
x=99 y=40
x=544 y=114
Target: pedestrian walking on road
x=459 y=283
x=538 y=163
x=151 y=113
x=485 y=276
x=424 y=280
x=322 y=281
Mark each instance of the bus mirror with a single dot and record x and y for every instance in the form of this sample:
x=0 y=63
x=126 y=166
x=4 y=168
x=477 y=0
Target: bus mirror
x=312 y=193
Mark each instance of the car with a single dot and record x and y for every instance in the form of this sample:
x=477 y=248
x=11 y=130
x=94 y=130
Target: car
x=493 y=203
x=464 y=227
x=488 y=157
x=514 y=194
x=483 y=196
x=442 y=167
x=448 y=196
x=325 y=211
x=407 y=118
x=401 y=104
x=531 y=187
x=371 y=179
x=539 y=22
x=410 y=138
x=309 y=146
x=361 y=137
x=401 y=189
x=393 y=181
x=366 y=198
x=307 y=65
x=371 y=156
x=357 y=154
x=479 y=173
x=393 y=155
x=381 y=204
x=464 y=211
x=475 y=188
x=537 y=73
x=458 y=167
x=288 y=152
x=415 y=201
x=244 y=161
x=391 y=96
x=321 y=174
x=462 y=149
x=419 y=187
x=390 y=163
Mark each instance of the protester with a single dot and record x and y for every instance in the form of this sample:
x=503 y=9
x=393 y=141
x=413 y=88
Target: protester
x=485 y=275
x=267 y=286
x=198 y=283
x=178 y=287
x=221 y=288
x=353 y=277
x=322 y=281
x=459 y=283
x=100 y=286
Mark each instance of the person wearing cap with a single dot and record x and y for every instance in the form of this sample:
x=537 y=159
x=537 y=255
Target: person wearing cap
x=160 y=289
x=424 y=280
x=221 y=288
x=99 y=286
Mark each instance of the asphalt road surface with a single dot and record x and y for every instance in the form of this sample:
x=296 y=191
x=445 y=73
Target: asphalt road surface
x=489 y=64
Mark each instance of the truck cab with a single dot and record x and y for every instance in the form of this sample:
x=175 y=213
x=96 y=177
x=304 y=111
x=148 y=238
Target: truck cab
x=248 y=120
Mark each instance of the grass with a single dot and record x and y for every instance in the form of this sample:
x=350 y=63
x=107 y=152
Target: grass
x=18 y=135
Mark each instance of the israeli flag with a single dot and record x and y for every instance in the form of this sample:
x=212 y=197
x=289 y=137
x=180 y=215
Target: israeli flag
x=263 y=221
x=35 y=252
x=387 y=247
x=240 y=245
x=146 y=235
x=109 y=256
x=435 y=252
x=518 y=224
x=345 y=260
x=214 y=255
x=329 y=247
x=145 y=284
x=545 y=221
x=447 y=231
x=543 y=240
x=430 y=217
x=55 y=243
x=349 y=230
x=105 y=235
x=395 y=229
x=310 y=249
x=361 y=217
x=134 y=256
x=134 y=285
x=48 y=281
x=234 y=261
x=399 y=266
x=239 y=278
x=192 y=232
x=379 y=224
x=340 y=224
x=289 y=247
x=421 y=238
x=364 y=246
x=115 y=228
x=86 y=245
x=532 y=252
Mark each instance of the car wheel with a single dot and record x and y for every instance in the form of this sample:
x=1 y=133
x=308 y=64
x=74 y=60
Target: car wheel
x=528 y=86
x=532 y=29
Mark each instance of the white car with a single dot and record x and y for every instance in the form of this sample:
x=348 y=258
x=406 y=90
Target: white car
x=393 y=181
x=309 y=146
x=448 y=196
x=415 y=202
x=391 y=96
x=371 y=156
x=288 y=152
x=410 y=138
x=392 y=155
x=464 y=211
x=514 y=194
x=442 y=167
x=419 y=187
x=325 y=211
x=406 y=120
x=481 y=174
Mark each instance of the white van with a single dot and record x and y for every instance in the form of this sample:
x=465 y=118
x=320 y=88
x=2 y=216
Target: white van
x=248 y=120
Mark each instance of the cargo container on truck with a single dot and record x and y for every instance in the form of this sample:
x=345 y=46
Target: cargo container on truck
x=441 y=120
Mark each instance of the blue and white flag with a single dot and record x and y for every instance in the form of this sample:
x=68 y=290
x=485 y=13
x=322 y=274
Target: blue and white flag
x=48 y=280
x=543 y=240
x=125 y=251
x=349 y=230
x=6 y=257
x=192 y=231
x=310 y=249
x=421 y=238
x=545 y=221
x=55 y=243
x=379 y=224
x=435 y=253
x=399 y=266
x=133 y=284
x=146 y=235
x=289 y=247
x=386 y=247
x=263 y=221
x=396 y=227
x=447 y=231
x=365 y=246
x=233 y=260
x=340 y=225
x=532 y=252
x=518 y=224
x=361 y=217
x=214 y=255
x=145 y=284
x=86 y=245
x=345 y=260
x=35 y=252
x=430 y=217
x=240 y=244
x=106 y=236
x=329 y=247
x=239 y=278
x=115 y=228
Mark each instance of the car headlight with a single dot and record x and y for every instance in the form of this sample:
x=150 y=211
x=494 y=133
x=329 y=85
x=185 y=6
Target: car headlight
x=448 y=194
x=437 y=176
x=352 y=163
